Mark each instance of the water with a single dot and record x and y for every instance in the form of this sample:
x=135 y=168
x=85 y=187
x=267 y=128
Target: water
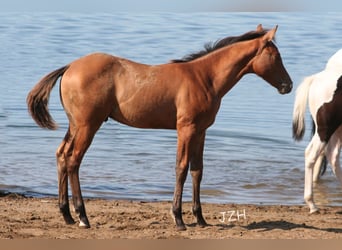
x=250 y=156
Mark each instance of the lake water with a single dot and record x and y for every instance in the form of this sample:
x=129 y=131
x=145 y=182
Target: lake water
x=250 y=156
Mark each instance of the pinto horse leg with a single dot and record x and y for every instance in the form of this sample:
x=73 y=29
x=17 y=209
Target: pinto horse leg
x=333 y=153
x=312 y=152
x=63 y=197
x=196 y=170
x=317 y=168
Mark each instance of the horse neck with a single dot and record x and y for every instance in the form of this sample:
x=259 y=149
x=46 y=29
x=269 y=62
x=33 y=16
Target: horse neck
x=228 y=65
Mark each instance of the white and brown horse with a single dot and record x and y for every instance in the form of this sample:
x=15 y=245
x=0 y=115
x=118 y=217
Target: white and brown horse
x=323 y=92
x=184 y=95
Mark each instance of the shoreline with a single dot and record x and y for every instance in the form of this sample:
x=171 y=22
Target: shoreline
x=39 y=218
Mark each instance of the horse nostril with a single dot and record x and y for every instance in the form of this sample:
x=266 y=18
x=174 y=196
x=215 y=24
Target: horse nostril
x=285 y=88
x=291 y=85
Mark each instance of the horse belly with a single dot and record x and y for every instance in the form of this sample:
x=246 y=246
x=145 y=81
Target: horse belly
x=144 y=116
x=329 y=115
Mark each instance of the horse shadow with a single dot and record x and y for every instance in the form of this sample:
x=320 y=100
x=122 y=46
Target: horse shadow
x=265 y=226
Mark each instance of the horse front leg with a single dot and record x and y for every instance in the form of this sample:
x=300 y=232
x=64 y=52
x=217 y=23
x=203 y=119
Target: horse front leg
x=312 y=152
x=181 y=174
x=185 y=135
x=196 y=170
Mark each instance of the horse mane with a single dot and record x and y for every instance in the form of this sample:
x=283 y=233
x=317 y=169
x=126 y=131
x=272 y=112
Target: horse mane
x=212 y=46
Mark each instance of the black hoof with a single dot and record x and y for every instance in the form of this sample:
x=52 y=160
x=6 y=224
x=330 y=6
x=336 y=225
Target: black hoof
x=181 y=227
x=202 y=224
x=197 y=212
x=69 y=220
x=64 y=209
x=177 y=217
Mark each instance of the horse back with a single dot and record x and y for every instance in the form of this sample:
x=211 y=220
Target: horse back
x=322 y=89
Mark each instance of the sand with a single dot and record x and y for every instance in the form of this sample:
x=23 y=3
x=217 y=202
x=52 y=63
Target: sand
x=39 y=218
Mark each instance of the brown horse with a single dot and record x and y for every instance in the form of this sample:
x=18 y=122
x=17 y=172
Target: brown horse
x=184 y=95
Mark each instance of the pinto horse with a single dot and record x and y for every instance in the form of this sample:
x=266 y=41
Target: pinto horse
x=323 y=92
x=183 y=94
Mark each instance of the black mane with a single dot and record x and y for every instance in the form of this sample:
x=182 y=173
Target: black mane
x=212 y=46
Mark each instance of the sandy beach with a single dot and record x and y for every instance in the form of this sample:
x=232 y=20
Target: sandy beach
x=39 y=218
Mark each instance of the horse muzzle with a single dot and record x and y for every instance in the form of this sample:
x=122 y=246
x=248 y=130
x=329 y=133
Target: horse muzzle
x=285 y=88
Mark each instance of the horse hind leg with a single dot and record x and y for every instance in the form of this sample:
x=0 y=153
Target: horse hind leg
x=333 y=153
x=70 y=155
x=80 y=143
x=63 y=199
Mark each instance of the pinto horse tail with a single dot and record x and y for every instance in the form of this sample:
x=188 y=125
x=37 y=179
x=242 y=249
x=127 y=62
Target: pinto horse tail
x=298 y=119
x=38 y=98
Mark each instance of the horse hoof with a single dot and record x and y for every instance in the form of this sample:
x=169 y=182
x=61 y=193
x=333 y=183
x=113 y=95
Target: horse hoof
x=201 y=221
x=84 y=225
x=181 y=228
x=314 y=211
x=202 y=225
x=69 y=221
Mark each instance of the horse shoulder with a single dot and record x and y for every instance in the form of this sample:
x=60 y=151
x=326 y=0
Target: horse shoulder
x=197 y=103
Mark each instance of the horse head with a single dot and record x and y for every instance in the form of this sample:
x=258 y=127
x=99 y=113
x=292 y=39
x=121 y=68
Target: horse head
x=268 y=63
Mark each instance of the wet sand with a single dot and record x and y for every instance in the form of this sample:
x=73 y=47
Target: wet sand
x=39 y=218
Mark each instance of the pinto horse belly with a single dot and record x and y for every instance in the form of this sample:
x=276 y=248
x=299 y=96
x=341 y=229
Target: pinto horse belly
x=329 y=115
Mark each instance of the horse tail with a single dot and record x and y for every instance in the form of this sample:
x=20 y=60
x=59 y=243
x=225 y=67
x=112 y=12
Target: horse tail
x=38 y=98
x=298 y=119
x=323 y=166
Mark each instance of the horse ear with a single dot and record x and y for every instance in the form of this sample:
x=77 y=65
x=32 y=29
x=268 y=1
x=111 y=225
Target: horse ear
x=269 y=36
x=259 y=28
